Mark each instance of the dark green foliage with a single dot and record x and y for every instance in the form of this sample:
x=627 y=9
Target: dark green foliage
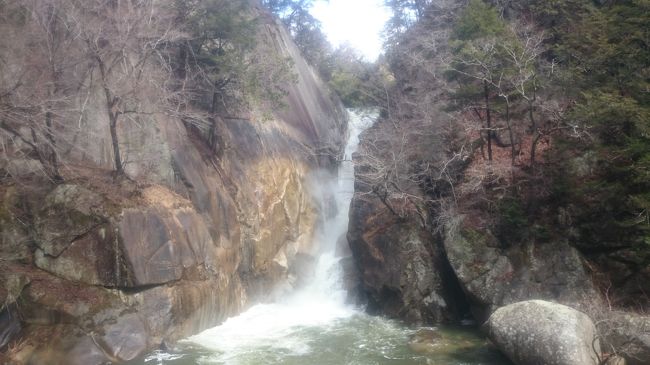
x=512 y=221
x=307 y=34
x=555 y=16
x=305 y=30
x=580 y=96
x=357 y=82
x=405 y=14
x=285 y=8
x=478 y=20
x=598 y=169
x=230 y=62
x=611 y=63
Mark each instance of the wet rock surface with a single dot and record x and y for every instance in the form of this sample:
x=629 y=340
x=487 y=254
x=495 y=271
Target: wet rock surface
x=543 y=333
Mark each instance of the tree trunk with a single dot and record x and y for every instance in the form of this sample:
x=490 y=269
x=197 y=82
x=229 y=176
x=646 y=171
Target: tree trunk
x=113 y=115
x=54 y=160
x=533 y=149
x=536 y=134
x=42 y=158
x=212 y=137
x=119 y=167
x=181 y=70
x=486 y=92
x=510 y=134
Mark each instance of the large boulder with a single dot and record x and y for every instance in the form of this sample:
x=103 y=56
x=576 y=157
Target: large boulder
x=542 y=333
x=68 y=212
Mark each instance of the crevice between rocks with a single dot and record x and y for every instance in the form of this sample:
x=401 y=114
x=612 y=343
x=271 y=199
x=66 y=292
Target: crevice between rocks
x=458 y=301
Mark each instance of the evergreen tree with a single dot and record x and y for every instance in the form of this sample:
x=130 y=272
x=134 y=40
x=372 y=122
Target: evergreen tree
x=608 y=55
x=478 y=63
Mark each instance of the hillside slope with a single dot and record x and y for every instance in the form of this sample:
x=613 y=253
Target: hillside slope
x=510 y=164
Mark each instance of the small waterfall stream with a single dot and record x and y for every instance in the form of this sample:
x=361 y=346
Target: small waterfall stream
x=315 y=325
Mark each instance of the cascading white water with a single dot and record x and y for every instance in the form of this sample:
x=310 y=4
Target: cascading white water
x=314 y=325
x=320 y=302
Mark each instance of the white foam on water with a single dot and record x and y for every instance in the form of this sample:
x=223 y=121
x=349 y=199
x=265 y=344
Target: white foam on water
x=319 y=304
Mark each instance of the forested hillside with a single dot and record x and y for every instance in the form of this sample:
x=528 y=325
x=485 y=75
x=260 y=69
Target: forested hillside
x=541 y=113
x=513 y=152
x=168 y=164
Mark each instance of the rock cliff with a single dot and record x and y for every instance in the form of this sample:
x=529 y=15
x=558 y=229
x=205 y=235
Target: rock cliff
x=96 y=271
x=401 y=267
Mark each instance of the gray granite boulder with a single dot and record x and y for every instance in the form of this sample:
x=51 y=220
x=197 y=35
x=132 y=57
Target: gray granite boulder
x=543 y=333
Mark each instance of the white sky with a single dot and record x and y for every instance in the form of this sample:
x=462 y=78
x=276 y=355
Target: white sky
x=357 y=22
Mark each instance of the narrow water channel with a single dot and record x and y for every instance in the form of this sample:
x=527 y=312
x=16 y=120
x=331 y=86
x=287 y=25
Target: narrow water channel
x=315 y=325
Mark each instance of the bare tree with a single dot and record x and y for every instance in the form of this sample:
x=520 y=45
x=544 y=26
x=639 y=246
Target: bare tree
x=40 y=76
x=126 y=44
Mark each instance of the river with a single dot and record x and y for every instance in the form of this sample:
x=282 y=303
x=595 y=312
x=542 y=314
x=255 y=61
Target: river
x=316 y=325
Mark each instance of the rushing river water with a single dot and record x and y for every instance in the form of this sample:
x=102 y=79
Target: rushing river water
x=315 y=325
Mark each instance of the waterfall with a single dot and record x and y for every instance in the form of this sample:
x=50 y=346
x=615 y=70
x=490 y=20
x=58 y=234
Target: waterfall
x=319 y=303
x=314 y=324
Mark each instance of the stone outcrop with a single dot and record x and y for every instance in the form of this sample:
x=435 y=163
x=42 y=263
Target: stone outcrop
x=106 y=270
x=543 y=333
x=411 y=274
x=398 y=264
x=159 y=240
x=493 y=276
x=628 y=334
x=402 y=269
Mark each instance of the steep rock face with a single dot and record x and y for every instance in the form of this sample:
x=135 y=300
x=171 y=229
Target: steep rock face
x=156 y=241
x=109 y=270
x=406 y=274
x=399 y=265
x=493 y=277
x=402 y=270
